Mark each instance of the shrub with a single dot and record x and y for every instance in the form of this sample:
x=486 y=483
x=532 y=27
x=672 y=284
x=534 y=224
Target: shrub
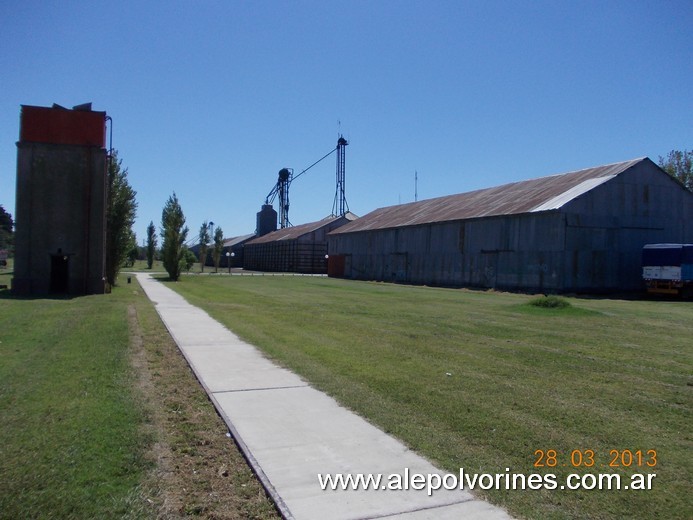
x=550 y=302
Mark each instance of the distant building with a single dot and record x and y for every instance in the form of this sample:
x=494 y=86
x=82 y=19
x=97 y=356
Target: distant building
x=297 y=249
x=233 y=246
x=236 y=248
x=579 y=231
x=60 y=208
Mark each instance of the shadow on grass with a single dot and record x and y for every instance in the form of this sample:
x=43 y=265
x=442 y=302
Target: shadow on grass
x=635 y=295
x=6 y=294
x=572 y=310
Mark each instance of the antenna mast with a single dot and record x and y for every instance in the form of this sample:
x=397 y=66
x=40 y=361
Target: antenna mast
x=340 y=206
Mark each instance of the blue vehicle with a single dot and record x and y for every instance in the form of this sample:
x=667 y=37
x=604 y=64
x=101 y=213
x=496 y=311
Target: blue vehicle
x=668 y=269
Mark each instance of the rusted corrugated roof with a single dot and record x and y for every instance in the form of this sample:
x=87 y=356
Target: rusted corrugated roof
x=543 y=194
x=294 y=232
x=230 y=242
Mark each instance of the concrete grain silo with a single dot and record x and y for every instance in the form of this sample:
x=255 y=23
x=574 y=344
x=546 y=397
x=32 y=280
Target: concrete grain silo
x=60 y=201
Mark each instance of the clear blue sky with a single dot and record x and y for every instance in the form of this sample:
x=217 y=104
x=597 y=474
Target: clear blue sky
x=211 y=99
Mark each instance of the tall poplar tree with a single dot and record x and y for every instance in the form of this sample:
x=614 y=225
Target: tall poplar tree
x=151 y=244
x=218 y=246
x=204 y=242
x=173 y=234
x=121 y=210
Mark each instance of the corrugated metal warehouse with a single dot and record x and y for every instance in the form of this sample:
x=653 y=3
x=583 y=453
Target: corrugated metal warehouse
x=297 y=249
x=579 y=231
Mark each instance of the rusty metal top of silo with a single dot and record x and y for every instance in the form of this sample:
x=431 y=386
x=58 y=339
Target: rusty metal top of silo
x=59 y=125
x=534 y=195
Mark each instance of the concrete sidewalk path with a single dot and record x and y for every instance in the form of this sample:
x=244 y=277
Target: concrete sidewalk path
x=291 y=432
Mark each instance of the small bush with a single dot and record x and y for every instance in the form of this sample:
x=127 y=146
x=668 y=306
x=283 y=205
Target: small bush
x=550 y=302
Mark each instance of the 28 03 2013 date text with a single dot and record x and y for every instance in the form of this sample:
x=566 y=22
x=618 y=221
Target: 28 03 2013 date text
x=587 y=458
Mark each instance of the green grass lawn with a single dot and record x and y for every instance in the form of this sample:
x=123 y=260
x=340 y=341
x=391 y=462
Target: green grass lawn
x=94 y=395
x=71 y=444
x=482 y=380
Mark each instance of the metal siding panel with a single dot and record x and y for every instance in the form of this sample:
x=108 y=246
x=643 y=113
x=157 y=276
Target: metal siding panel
x=510 y=270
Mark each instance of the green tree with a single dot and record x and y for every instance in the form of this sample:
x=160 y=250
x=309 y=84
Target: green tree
x=679 y=165
x=218 y=247
x=151 y=244
x=173 y=235
x=6 y=229
x=204 y=241
x=121 y=210
x=190 y=259
x=133 y=251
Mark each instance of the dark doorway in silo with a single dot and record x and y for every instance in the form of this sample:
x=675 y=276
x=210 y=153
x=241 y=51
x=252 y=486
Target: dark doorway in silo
x=59 y=273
